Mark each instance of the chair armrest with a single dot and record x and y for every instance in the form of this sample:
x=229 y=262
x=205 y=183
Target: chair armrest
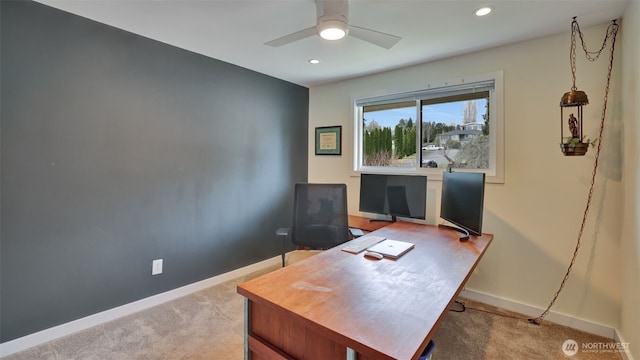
x=284 y=232
x=356 y=232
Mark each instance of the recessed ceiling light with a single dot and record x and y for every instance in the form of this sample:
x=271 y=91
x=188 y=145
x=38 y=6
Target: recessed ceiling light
x=314 y=61
x=485 y=10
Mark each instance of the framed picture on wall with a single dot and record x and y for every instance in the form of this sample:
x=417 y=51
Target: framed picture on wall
x=329 y=140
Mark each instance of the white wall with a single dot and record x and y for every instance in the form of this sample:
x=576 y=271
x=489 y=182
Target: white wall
x=630 y=318
x=535 y=215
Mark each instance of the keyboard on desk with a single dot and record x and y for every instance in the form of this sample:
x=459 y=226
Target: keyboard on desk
x=362 y=243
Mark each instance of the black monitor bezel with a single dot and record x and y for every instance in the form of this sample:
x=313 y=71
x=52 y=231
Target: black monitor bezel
x=377 y=210
x=473 y=205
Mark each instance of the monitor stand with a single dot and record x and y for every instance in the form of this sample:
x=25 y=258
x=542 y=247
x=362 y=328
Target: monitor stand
x=393 y=219
x=465 y=233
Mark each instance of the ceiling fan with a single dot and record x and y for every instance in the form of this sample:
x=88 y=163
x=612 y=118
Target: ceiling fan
x=333 y=24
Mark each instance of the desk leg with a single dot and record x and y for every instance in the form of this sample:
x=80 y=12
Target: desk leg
x=351 y=354
x=247 y=326
x=283 y=251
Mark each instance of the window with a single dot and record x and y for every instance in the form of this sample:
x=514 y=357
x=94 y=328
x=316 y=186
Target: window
x=454 y=125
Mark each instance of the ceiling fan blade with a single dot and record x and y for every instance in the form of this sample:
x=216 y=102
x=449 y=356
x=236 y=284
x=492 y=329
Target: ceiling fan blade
x=298 y=35
x=375 y=37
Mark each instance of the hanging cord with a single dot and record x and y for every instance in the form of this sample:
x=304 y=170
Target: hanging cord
x=612 y=31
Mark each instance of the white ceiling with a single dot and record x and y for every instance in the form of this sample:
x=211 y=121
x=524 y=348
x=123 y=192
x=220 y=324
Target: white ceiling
x=235 y=31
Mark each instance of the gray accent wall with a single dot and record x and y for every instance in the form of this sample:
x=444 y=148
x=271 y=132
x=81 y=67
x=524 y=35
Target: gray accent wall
x=117 y=150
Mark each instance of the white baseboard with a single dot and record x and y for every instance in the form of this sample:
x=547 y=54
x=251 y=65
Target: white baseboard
x=555 y=317
x=627 y=354
x=44 y=336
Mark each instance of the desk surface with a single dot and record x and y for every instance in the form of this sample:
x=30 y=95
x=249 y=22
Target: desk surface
x=379 y=308
x=364 y=223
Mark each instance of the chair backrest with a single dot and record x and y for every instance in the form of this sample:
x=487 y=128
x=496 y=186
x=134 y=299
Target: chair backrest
x=320 y=218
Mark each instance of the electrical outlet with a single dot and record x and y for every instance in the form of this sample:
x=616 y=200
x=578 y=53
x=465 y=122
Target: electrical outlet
x=156 y=267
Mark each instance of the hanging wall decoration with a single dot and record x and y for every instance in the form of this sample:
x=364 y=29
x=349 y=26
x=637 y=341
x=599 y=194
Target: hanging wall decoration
x=573 y=142
x=329 y=140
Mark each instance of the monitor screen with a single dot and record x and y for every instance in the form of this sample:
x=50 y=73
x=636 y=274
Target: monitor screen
x=394 y=195
x=463 y=200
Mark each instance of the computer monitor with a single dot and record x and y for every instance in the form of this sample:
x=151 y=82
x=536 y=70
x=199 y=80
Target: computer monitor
x=463 y=201
x=394 y=195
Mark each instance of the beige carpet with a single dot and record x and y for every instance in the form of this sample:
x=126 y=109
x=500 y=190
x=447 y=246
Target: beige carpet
x=209 y=325
x=479 y=333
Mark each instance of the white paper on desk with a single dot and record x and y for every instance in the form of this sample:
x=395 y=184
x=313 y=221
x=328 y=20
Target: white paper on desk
x=391 y=248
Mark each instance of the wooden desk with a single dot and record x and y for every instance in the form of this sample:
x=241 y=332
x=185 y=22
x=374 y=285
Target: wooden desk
x=366 y=224
x=337 y=305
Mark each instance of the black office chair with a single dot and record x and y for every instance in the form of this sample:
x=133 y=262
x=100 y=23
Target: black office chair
x=320 y=218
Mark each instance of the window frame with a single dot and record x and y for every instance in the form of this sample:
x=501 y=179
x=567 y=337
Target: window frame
x=494 y=173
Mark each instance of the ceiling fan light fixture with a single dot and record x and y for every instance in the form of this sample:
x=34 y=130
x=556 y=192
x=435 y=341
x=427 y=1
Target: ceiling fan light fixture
x=332 y=23
x=332 y=29
x=485 y=10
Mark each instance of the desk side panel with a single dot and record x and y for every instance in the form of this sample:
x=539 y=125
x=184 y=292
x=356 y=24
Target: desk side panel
x=291 y=337
x=262 y=350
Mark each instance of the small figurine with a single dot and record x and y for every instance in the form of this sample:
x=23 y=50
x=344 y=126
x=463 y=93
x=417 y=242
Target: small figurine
x=573 y=126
